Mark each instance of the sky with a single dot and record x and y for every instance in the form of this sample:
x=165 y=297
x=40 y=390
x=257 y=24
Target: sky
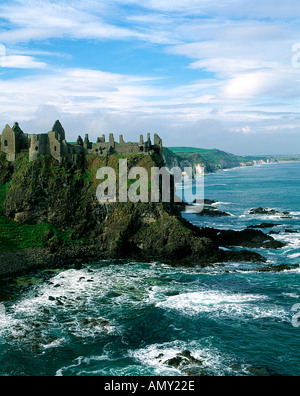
x=201 y=73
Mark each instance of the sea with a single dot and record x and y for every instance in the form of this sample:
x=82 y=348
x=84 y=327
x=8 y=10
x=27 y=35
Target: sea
x=125 y=318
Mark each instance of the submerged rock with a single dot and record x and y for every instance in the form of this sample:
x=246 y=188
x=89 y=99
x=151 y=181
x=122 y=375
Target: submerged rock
x=185 y=362
x=277 y=268
x=269 y=212
x=263 y=225
x=249 y=238
x=213 y=213
x=92 y=322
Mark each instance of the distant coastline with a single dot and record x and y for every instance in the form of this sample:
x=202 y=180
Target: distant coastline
x=214 y=160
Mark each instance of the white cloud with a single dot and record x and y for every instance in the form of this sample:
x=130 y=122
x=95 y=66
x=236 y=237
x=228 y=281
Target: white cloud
x=245 y=130
x=238 y=51
x=23 y=62
x=35 y=20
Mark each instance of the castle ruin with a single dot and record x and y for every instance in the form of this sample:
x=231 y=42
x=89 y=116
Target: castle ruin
x=14 y=141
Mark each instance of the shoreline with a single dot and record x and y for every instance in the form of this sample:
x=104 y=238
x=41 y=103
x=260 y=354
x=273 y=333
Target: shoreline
x=21 y=261
x=250 y=166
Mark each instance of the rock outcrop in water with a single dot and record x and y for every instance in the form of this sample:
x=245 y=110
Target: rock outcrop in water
x=49 y=216
x=248 y=238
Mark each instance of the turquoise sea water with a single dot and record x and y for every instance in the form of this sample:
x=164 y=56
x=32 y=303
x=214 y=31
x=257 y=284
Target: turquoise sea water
x=127 y=318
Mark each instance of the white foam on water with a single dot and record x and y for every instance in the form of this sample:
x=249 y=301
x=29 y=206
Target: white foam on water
x=292 y=295
x=81 y=366
x=211 y=360
x=66 y=305
x=292 y=240
x=221 y=203
x=294 y=255
x=218 y=304
x=82 y=303
x=295 y=270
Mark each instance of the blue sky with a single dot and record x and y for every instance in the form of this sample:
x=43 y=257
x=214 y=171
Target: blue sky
x=199 y=73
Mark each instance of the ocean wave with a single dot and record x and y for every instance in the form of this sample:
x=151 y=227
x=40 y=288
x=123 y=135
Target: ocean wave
x=52 y=312
x=211 y=360
x=294 y=255
x=220 y=304
x=221 y=203
x=292 y=240
x=291 y=295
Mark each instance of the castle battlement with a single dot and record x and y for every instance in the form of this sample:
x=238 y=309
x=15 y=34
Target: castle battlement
x=14 y=141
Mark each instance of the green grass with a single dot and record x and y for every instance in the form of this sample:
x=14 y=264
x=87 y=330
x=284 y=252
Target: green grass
x=189 y=150
x=214 y=155
x=14 y=236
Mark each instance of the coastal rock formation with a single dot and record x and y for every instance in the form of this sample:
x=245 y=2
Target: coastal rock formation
x=263 y=225
x=268 y=212
x=249 y=238
x=50 y=211
x=216 y=160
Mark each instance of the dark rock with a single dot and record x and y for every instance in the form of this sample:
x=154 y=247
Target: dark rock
x=174 y=362
x=263 y=225
x=265 y=211
x=241 y=256
x=213 y=213
x=249 y=238
x=92 y=323
x=277 y=268
x=185 y=362
x=59 y=302
x=187 y=354
x=194 y=372
x=64 y=195
x=209 y=201
x=206 y=201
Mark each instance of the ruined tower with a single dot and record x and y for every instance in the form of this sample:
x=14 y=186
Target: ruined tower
x=14 y=141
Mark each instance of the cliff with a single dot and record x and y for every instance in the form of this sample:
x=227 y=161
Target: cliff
x=214 y=160
x=210 y=160
x=49 y=216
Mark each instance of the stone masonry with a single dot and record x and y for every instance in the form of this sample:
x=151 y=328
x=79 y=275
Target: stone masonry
x=14 y=141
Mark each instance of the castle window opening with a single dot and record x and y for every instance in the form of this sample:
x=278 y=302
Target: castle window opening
x=36 y=149
x=55 y=148
x=5 y=143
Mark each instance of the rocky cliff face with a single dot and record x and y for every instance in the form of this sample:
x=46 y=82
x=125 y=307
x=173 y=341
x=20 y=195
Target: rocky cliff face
x=57 y=203
x=211 y=161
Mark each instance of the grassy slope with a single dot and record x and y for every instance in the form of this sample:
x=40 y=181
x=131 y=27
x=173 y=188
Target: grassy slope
x=15 y=236
x=214 y=155
x=18 y=236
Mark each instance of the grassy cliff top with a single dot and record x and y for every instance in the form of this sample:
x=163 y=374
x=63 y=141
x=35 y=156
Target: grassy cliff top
x=215 y=155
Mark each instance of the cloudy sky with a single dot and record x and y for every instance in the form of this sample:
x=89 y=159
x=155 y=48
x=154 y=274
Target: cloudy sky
x=202 y=73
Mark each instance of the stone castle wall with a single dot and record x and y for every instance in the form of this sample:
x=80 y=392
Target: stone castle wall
x=14 y=140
